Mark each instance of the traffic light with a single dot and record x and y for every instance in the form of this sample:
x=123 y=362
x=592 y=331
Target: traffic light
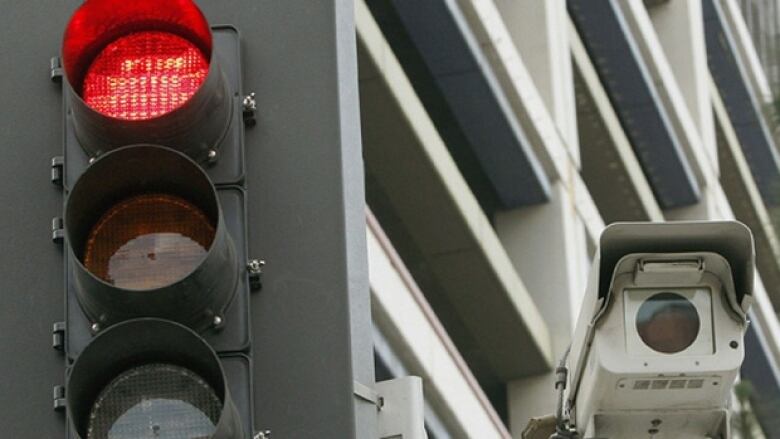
x=148 y=72
x=157 y=330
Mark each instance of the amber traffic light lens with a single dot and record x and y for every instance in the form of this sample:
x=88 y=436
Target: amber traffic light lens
x=148 y=241
x=668 y=323
x=155 y=401
x=144 y=75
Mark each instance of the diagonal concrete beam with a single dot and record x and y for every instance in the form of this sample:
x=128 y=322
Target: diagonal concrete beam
x=436 y=224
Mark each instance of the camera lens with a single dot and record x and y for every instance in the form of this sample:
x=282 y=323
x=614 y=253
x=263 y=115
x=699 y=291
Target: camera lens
x=668 y=323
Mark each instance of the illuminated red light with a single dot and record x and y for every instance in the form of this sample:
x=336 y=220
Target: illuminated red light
x=144 y=75
x=139 y=59
x=144 y=71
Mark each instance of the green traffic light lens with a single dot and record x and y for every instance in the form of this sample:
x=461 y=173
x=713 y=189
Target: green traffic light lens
x=155 y=401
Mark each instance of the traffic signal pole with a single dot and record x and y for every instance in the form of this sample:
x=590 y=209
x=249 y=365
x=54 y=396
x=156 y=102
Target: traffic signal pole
x=310 y=323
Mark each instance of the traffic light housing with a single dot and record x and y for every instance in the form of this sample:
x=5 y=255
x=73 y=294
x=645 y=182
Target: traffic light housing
x=151 y=378
x=146 y=72
x=155 y=223
x=149 y=240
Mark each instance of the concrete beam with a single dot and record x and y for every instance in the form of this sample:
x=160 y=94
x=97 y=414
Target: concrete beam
x=490 y=29
x=416 y=190
x=746 y=50
x=679 y=25
x=637 y=98
x=409 y=324
x=459 y=90
x=547 y=247
x=746 y=201
x=536 y=31
x=609 y=165
x=669 y=90
x=732 y=76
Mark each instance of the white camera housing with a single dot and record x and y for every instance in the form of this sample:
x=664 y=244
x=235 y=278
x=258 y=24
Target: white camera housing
x=659 y=341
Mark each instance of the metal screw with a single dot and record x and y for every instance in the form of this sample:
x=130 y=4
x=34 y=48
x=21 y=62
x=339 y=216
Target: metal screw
x=92 y=160
x=95 y=328
x=249 y=107
x=212 y=155
x=265 y=434
x=255 y=269
x=255 y=266
x=734 y=344
x=250 y=103
x=218 y=321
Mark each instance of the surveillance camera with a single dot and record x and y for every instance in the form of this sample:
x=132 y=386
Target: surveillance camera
x=659 y=341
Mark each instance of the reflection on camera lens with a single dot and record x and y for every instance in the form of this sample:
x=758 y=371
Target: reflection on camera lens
x=667 y=322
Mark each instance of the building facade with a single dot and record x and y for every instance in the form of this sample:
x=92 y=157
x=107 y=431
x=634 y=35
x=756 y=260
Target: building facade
x=501 y=136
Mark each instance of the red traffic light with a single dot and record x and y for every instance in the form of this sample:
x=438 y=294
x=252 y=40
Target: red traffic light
x=144 y=75
x=99 y=23
x=143 y=71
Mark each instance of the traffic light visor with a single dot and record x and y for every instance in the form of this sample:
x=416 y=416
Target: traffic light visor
x=147 y=238
x=150 y=378
x=145 y=71
x=136 y=60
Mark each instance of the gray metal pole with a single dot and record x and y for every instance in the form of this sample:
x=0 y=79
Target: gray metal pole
x=311 y=322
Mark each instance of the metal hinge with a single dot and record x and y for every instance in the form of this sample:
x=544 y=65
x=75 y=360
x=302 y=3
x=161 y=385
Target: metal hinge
x=59 y=398
x=57 y=229
x=255 y=269
x=249 y=106
x=56 y=69
x=58 y=336
x=57 y=169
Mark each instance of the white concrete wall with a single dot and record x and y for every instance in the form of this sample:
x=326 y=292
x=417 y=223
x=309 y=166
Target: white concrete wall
x=679 y=25
x=491 y=31
x=617 y=136
x=535 y=28
x=409 y=324
x=548 y=249
x=746 y=51
x=713 y=204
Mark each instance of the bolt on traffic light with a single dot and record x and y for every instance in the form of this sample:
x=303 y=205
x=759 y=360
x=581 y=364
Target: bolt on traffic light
x=157 y=320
